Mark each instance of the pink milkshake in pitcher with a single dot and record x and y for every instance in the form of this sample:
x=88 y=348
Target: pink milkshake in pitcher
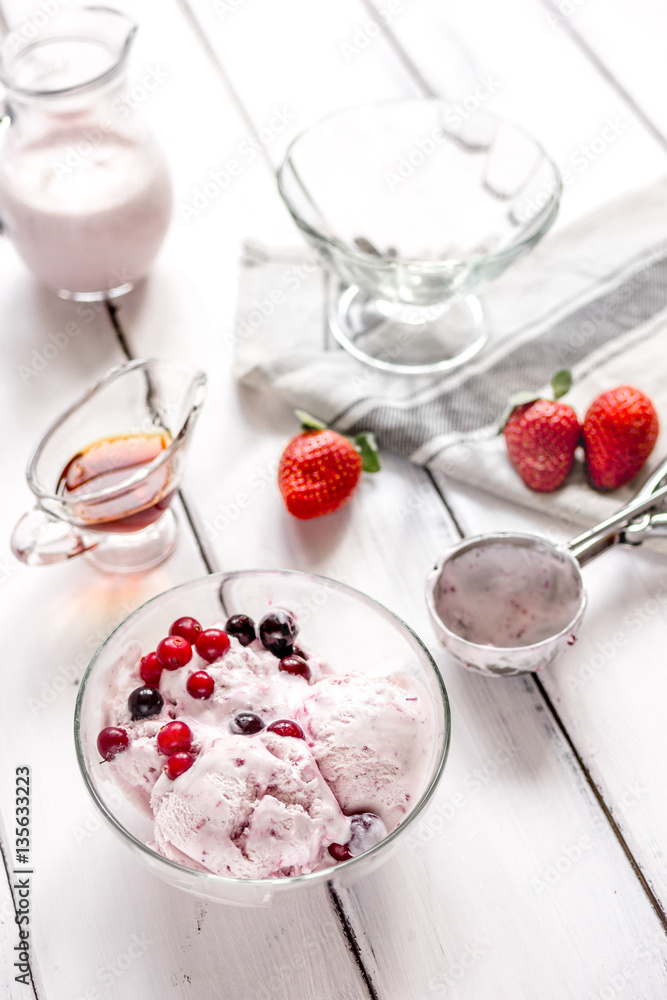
x=85 y=194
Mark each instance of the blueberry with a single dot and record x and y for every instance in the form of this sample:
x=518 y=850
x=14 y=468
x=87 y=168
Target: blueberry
x=278 y=630
x=246 y=724
x=144 y=702
x=242 y=627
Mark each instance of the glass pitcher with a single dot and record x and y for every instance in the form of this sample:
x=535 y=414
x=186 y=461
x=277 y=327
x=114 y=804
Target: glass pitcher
x=85 y=193
x=105 y=472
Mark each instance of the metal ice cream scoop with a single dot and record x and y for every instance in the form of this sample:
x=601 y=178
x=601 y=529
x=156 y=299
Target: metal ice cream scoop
x=507 y=603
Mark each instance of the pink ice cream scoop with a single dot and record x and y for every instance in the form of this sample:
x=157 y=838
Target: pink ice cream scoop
x=371 y=738
x=252 y=807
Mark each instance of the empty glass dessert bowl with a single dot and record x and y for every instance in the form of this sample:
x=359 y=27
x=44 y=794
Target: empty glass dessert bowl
x=350 y=631
x=414 y=207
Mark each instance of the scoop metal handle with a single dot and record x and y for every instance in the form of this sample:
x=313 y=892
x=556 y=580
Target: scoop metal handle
x=626 y=526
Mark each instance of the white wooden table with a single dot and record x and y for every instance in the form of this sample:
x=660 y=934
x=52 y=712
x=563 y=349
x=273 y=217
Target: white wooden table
x=541 y=870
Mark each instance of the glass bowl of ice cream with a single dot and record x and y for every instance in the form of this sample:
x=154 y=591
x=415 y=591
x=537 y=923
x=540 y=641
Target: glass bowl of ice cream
x=250 y=734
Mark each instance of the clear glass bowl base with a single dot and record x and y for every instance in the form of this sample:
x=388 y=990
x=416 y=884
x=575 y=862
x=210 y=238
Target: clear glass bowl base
x=134 y=552
x=405 y=339
x=109 y=293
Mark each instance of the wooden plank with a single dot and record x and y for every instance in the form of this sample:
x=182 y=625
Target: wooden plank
x=595 y=689
x=540 y=79
x=309 y=74
x=18 y=977
x=627 y=43
x=142 y=938
x=52 y=351
x=602 y=687
x=187 y=310
x=537 y=799
x=139 y=937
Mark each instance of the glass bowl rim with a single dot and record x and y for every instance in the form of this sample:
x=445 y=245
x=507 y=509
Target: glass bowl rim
x=323 y=874
x=426 y=267
x=496 y=536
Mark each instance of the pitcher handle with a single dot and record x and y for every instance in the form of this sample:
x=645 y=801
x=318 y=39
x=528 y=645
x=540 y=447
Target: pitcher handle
x=40 y=539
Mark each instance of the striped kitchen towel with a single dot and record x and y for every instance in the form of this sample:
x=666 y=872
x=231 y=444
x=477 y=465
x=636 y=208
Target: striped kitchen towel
x=591 y=297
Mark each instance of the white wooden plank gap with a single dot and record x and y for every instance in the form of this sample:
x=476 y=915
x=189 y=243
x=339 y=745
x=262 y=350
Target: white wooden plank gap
x=347 y=928
x=629 y=39
x=567 y=25
x=212 y=55
x=400 y=51
x=597 y=792
x=205 y=553
x=11 y=986
x=537 y=75
x=599 y=795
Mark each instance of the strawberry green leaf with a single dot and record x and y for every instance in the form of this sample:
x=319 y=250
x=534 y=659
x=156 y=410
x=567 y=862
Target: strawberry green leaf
x=522 y=397
x=368 y=449
x=309 y=423
x=516 y=399
x=561 y=382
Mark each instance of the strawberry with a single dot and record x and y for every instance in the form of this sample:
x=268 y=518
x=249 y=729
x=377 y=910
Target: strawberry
x=541 y=436
x=319 y=470
x=620 y=431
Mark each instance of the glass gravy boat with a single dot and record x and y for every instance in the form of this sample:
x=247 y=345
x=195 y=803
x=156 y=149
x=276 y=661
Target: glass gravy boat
x=106 y=471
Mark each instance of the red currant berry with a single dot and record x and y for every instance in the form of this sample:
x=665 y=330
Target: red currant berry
x=174 y=652
x=285 y=727
x=212 y=644
x=339 y=852
x=178 y=763
x=200 y=685
x=187 y=628
x=174 y=736
x=111 y=741
x=150 y=670
x=295 y=665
